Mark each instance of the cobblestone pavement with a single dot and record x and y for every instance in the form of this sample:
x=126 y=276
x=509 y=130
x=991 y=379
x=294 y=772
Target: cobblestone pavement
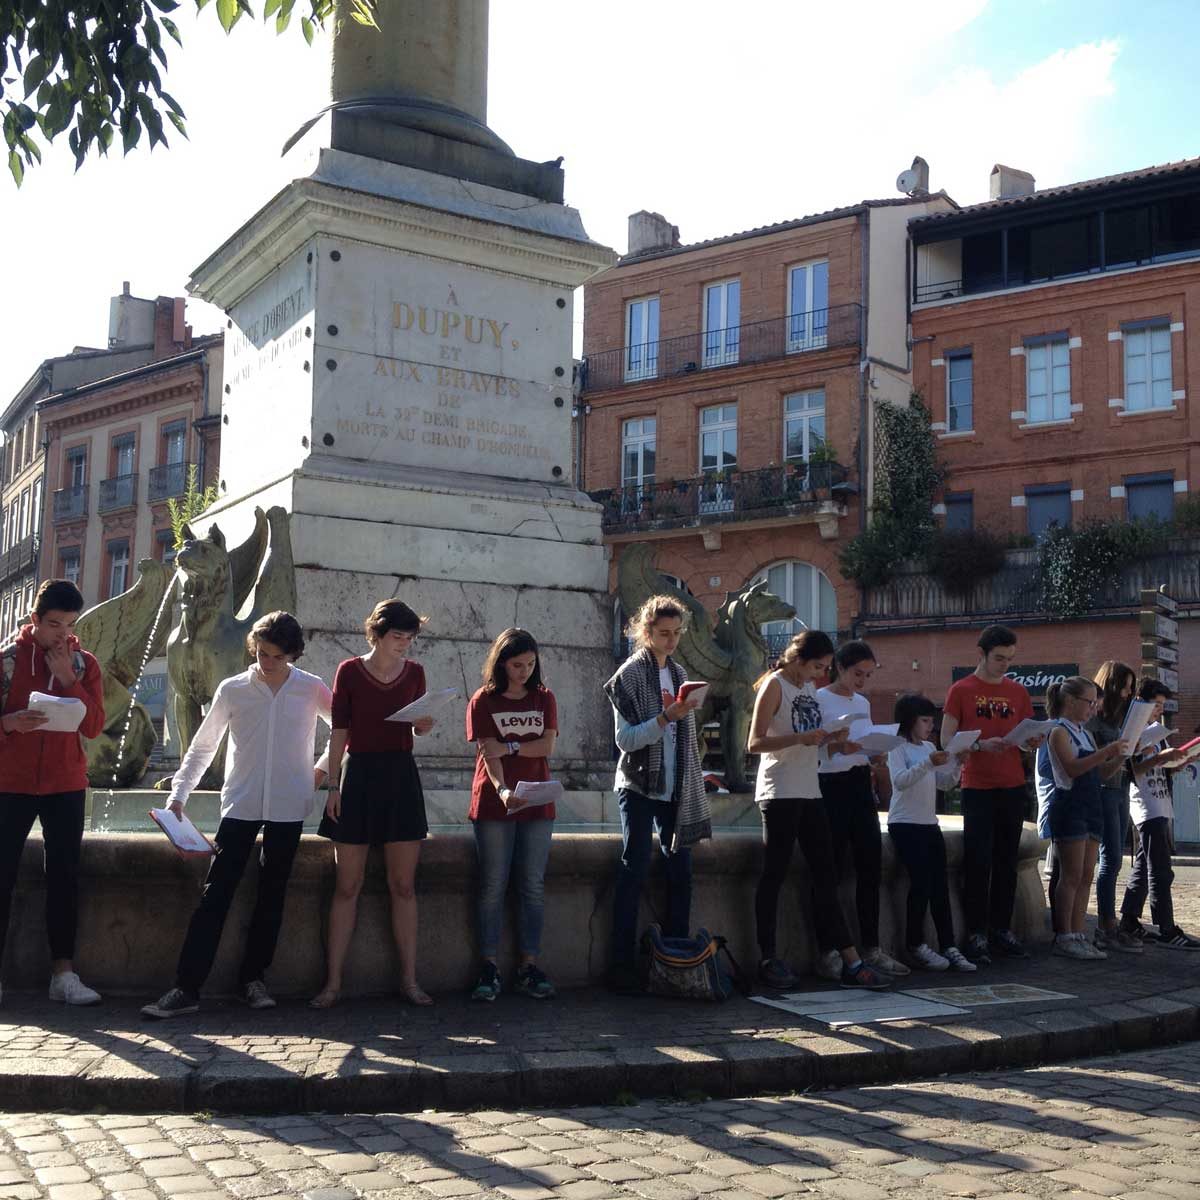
x=1115 y=1127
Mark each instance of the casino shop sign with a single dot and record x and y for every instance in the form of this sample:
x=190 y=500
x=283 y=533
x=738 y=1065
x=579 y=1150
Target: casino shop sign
x=1036 y=678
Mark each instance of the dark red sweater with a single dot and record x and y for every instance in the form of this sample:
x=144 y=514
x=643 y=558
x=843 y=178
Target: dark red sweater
x=40 y=764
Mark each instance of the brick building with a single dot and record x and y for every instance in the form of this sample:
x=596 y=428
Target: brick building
x=1052 y=335
x=723 y=394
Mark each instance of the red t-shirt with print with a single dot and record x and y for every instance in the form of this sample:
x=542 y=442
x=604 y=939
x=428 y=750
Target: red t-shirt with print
x=994 y=709
x=491 y=715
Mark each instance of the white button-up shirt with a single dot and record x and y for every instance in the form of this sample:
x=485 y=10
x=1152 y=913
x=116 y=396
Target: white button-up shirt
x=269 y=762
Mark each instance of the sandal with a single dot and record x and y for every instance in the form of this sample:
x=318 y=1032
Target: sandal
x=415 y=994
x=327 y=997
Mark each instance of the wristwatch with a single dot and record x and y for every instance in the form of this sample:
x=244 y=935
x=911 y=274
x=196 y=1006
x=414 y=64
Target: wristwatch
x=504 y=794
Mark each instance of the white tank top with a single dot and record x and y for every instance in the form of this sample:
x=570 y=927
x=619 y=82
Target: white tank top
x=791 y=773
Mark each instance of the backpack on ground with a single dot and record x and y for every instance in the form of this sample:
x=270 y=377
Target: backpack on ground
x=689 y=968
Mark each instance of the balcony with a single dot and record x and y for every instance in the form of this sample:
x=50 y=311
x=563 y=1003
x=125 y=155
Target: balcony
x=118 y=492
x=71 y=503
x=762 y=341
x=768 y=494
x=168 y=481
x=18 y=559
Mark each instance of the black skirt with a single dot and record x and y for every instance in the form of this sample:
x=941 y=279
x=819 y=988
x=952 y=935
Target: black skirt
x=382 y=801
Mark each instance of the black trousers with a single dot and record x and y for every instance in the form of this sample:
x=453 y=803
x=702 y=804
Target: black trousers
x=854 y=822
x=1152 y=875
x=992 y=820
x=922 y=850
x=61 y=815
x=234 y=841
x=786 y=822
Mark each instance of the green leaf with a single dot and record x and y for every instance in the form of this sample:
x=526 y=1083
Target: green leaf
x=285 y=15
x=16 y=166
x=227 y=13
x=308 y=30
x=172 y=103
x=270 y=7
x=106 y=137
x=131 y=131
x=172 y=29
x=35 y=71
x=177 y=121
x=363 y=11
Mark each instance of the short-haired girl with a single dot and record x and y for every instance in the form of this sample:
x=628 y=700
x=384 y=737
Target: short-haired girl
x=658 y=782
x=376 y=799
x=918 y=771
x=844 y=773
x=786 y=733
x=513 y=720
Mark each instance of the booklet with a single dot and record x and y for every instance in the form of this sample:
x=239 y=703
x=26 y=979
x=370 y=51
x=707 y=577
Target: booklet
x=1190 y=749
x=427 y=705
x=548 y=792
x=1155 y=734
x=64 y=714
x=1136 y=720
x=1027 y=731
x=877 y=739
x=693 y=689
x=964 y=739
x=181 y=833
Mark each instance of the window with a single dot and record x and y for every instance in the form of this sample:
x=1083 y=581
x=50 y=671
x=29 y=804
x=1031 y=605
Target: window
x=809 y=592
x=5 y=616
x=1150 y=497
x=29 y=441
x=23 y=523
x=637 y=457
x=960 y=510
x=68 y=564
x=718 y=455
x=722 y=317
x=1147 y=367
x=1048 y=381
x=808 y=306
x=77 y=466
x=35 y=505
x=165 y=541
x=118 y=567
x=803 y=424
x=641 y=338
x=960 y=402
x=1046 y=505
x=174 y=443
x=123 y=455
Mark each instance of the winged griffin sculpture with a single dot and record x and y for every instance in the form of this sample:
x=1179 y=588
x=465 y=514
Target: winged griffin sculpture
x=730 y=653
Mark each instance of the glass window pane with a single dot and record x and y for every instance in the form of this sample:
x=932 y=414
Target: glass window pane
x=820 y=285
x=1151 y=501
x=793 y=439
x=827 y=618
x=816 y=433
x=648 y=461
x=733 y=303
x=649 y=424
x=798 y=293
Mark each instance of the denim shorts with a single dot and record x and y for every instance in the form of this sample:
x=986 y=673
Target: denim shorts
x=1074 y=816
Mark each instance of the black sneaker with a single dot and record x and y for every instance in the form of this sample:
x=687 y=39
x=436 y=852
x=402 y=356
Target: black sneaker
x=1138 y=931
x=1176 y=939
x=864 y=976
x=532 y=980
x=976 y=950
x=487 y=988
x=775 y=973
x=175 y=1003
x=1004 y=944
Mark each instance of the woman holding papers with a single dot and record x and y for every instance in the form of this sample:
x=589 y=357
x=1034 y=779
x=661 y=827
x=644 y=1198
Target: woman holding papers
x=918 y=771
x=844 y=772
x=658 y=782
x=270 y=712
x=43 y=774
x=1116 y=681
x=786 y=733
x=513 y=720
x=1075 y=815
x=376 y=797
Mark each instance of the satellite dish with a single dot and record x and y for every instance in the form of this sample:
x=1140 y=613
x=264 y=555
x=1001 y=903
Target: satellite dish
x=908 y=182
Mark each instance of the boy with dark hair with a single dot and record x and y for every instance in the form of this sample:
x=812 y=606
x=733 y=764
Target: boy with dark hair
x=271 y=713
x=43 y=774
x=1151 y=809
x=993 y=794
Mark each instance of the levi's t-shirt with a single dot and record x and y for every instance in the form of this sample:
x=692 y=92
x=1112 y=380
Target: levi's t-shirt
x=491 y=715
x=994 y=709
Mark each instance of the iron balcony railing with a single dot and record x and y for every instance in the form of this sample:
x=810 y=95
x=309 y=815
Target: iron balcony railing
x=19 y=558
x=800 y=333
x=948 y=289
x=71 y=502
x=721 y=496
x=118 y=492
x=168 y=481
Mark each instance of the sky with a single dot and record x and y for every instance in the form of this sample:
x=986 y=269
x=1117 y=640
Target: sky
x=721 y=117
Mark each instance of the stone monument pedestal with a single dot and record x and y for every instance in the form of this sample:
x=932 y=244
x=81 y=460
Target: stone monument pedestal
x=398 y=377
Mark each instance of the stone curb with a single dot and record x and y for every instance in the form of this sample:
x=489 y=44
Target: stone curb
x=161 y=1083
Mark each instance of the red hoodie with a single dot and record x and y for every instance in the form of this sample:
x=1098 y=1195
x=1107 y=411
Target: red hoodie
x=37 y=763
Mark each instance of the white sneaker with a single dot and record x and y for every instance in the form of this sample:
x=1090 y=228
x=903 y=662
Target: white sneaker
x=829 y=966
x=1072 y=945
x=68 y=988
x=927 y=958
x=257 y=996
x=958 y=960
x=1093 y=951
x=881 y=960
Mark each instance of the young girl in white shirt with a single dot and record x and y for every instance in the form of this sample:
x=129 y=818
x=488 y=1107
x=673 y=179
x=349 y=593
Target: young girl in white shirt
x=918 y=771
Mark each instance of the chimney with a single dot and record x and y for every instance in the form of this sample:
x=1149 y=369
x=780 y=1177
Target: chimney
x=1007 y=182
x=650 y=231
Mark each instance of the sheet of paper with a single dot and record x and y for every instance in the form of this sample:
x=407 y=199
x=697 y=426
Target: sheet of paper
x=1155 y=734
x=1136 y=720
x=428 y=705
x=1027 y=730
x=180 y=831
x=837 y=724
x=64 y=714
x=548 y=792
x=964 y=739
x=876 y=739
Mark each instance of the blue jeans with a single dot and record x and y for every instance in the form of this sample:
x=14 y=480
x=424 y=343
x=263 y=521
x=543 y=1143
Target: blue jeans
x=500 y=844
x=1112 y=845
x=640 y=817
